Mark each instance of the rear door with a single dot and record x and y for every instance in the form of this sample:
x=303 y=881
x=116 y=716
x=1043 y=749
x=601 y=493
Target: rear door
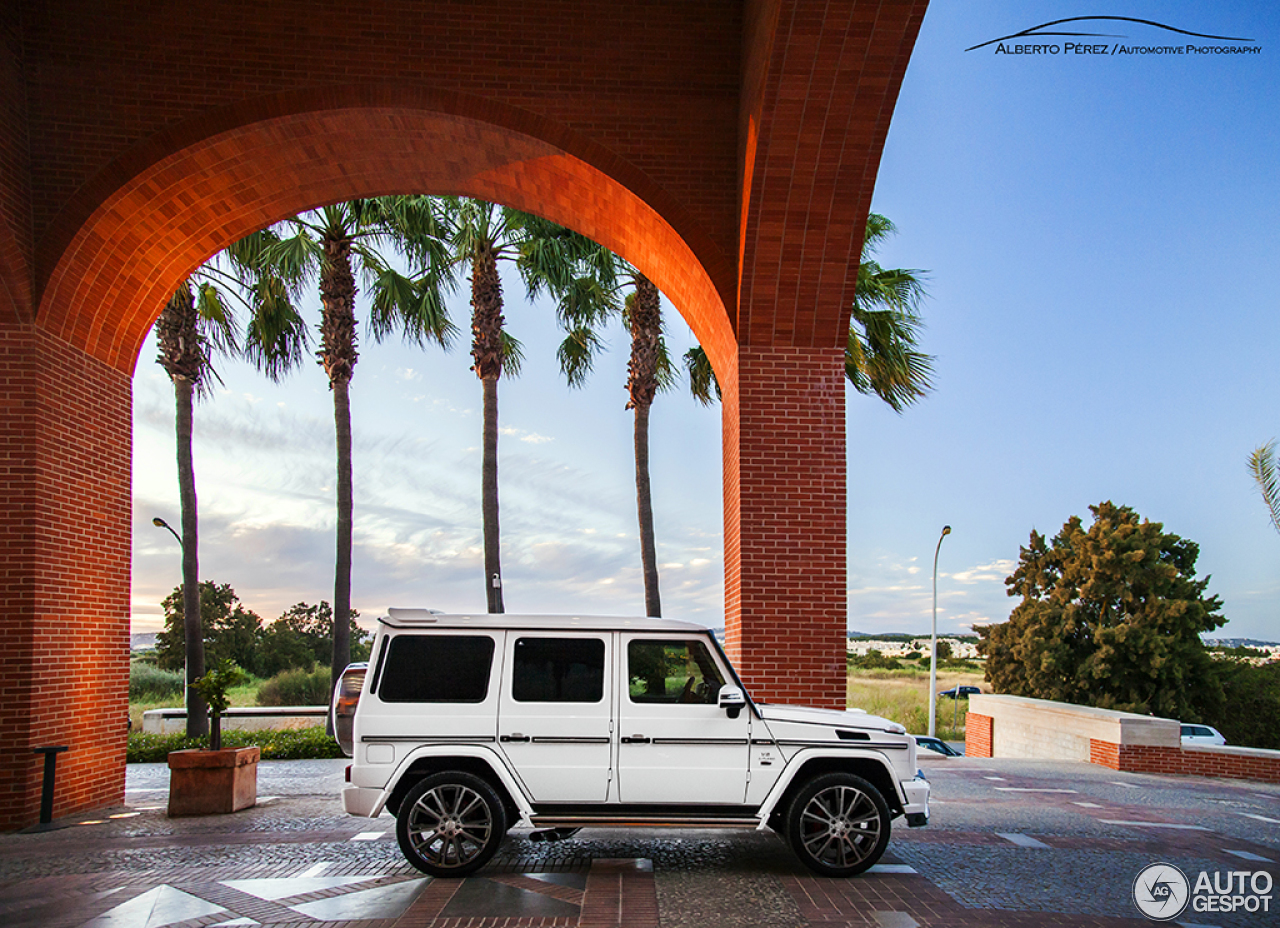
x=556 y=714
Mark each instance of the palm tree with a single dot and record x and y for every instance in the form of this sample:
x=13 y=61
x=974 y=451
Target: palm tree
x=581 y=308
x=477 y=236
x=326 y=245
x=881 y=354
x=1262 y=467
x=195 y=324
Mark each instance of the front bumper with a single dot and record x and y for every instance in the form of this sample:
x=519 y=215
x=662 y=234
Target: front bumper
x=916 y=808
x=359 y=800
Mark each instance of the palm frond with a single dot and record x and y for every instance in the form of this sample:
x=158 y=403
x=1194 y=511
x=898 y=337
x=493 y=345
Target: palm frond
x=217 y=321
x=512 y=354
x=1262 y=467
x=702 y=377
x=276 y=338
x=577 y=354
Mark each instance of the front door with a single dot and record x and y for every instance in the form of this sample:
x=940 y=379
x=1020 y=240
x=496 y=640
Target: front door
x=675 y=744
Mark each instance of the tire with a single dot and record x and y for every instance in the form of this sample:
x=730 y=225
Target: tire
x=450 y=824
x=838 y=824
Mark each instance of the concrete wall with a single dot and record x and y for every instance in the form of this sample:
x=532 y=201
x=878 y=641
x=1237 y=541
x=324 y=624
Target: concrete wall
x=1016 y=726
x=173 y=721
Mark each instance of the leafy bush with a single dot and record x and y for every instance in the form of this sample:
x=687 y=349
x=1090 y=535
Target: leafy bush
x=1251 y=704
x=296 y=744
x=296 y=688
x=149 y=682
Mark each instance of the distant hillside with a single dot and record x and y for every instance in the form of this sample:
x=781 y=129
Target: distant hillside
x=1238 y=643
x=142 y=641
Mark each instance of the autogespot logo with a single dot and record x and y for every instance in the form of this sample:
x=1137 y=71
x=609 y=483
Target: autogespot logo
x=1076 y=41
x=1160 y=892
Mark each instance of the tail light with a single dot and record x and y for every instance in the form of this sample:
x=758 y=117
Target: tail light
x=346 y=695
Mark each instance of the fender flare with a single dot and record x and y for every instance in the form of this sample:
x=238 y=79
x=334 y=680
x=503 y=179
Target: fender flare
x=804 y=756
x=492 y=759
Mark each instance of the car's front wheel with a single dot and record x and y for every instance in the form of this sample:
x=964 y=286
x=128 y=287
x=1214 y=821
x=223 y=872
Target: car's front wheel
x=838 y=824
x=450 y=824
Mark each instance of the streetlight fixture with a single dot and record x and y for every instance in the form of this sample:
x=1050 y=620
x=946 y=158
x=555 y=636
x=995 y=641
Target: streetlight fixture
x=161 y=523
x=933 y=650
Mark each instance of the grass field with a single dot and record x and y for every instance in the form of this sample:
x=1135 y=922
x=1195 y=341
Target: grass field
x=903 y=696
x=245 y=695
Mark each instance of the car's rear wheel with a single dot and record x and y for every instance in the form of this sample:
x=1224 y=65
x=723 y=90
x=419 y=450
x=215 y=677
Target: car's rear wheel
x=450 y=824
x=838 y=824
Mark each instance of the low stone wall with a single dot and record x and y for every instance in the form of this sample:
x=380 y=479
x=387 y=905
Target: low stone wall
x=259 y=718
x=1016 y=726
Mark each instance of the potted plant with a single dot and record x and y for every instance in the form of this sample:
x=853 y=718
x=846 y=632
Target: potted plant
x=212 y=781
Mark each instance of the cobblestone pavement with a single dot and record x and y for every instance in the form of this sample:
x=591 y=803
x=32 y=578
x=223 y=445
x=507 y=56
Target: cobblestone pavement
x=1011 y=844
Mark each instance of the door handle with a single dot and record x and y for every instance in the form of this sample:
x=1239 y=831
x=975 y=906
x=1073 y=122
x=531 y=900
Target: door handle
x=637 y=739
x=514 y=739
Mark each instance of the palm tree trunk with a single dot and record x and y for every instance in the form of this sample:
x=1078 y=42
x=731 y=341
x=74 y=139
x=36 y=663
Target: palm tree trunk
x=183 y=358
x=487 y=354
x=645 y=314
x=338 y=356
x=346 y=516
x=489 y=496
x=197 y=711
x=644 y=504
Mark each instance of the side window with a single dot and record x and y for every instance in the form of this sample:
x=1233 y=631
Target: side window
x=437 y=668
x=558 y=670
x=672 y=672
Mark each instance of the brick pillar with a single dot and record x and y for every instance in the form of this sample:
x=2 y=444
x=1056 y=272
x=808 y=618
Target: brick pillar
x=785 y=516
x=64 y=574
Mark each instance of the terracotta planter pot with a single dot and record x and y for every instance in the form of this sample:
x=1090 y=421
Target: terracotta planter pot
x=213 y=782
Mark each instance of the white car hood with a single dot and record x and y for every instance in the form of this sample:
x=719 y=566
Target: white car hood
x=850 y=718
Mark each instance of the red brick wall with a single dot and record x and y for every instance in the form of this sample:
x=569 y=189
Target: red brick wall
x=64 y=574
x=785 y=524
x=1192 y=762
x=977 y=735
x=16 y=241
x=1104 y=753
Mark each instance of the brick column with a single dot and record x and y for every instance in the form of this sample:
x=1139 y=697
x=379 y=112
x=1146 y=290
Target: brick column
x=64 y=574
x=785 y=518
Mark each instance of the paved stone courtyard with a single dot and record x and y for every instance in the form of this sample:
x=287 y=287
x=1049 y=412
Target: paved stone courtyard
x=1011 y=844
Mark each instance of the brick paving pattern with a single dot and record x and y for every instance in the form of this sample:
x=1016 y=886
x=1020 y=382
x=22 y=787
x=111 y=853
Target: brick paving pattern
x=1012 y=844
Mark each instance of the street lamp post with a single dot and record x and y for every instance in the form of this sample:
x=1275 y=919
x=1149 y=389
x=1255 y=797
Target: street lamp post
x=161 y=523
x=933 y=650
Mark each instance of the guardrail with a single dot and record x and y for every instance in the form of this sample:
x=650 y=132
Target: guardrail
x=257 y=718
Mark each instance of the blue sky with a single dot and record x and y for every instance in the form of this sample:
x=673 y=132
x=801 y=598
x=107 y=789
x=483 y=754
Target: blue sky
x=1100 y=237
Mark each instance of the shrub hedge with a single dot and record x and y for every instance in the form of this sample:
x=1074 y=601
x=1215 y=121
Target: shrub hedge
x=296 y=688
x=149 y=682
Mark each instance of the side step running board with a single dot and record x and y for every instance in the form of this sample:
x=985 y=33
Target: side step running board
x=642 y=821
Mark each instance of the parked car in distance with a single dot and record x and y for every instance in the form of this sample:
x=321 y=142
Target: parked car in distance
x=937 y=745
x=465 y=726
x=959 y=692
x=1201 y=734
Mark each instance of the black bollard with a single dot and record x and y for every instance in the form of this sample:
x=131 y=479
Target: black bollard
x=46 y=794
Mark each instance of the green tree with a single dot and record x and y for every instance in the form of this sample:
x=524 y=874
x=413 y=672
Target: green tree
x=1111 y=616
x=1251 y=704
x=478 y=236
x=231 y=632
x=1262 y=467
x=881 y=355
x=327 y=245
x=303 y=637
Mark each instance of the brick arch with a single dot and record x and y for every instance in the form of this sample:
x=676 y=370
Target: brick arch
x=116 y=251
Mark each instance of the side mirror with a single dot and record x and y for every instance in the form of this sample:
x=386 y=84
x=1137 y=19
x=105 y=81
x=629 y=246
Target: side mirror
x=732 y=700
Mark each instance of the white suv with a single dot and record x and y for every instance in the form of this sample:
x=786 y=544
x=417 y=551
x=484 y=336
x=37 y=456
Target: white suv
x=464 y=726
